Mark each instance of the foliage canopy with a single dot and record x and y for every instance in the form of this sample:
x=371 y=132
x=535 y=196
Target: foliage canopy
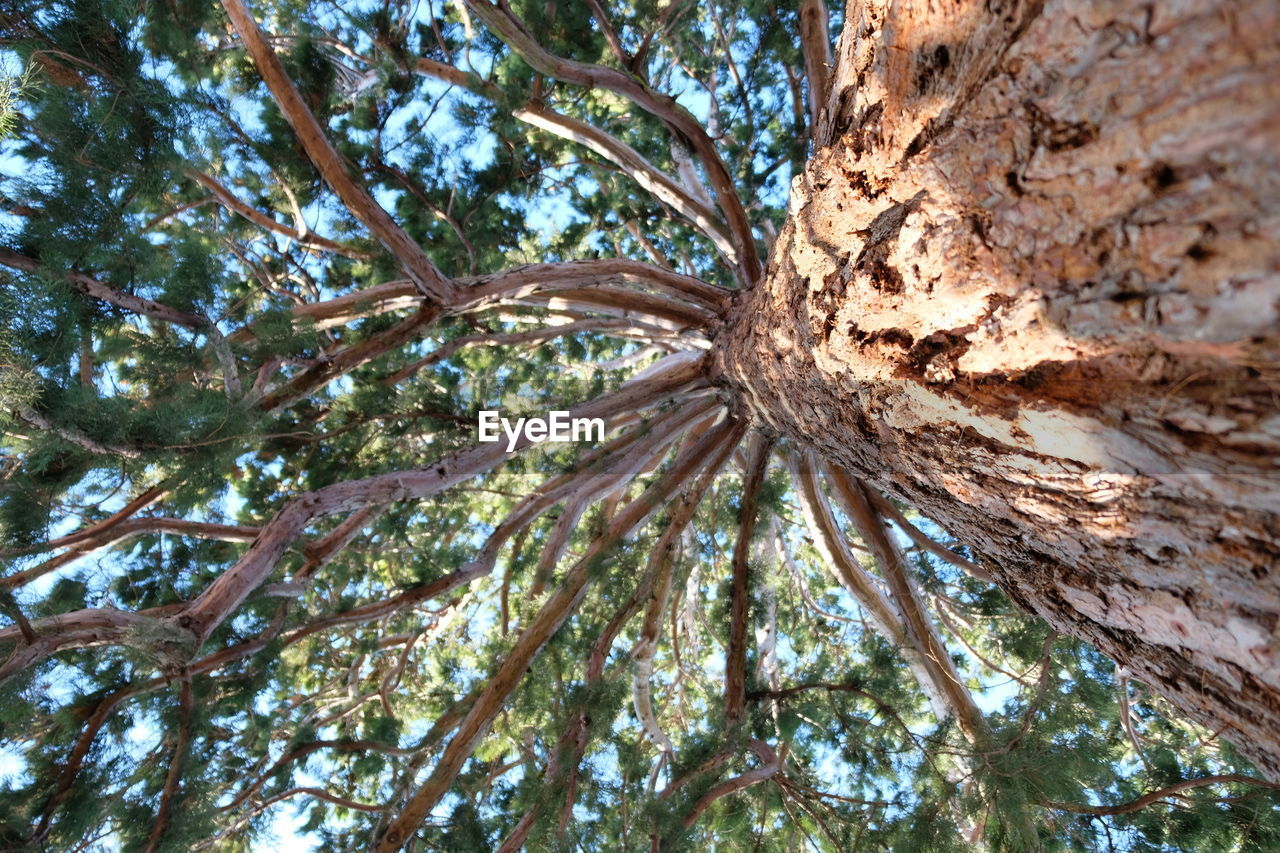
x=258 y=566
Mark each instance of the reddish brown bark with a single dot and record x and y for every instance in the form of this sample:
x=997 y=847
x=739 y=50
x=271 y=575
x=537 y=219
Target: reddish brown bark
x=550 y=617
x=1030 y=287
x=503 y=22
x=735 y=665
x=354 y=196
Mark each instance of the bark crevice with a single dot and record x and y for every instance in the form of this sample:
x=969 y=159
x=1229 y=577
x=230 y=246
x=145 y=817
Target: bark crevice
x=1054 y=329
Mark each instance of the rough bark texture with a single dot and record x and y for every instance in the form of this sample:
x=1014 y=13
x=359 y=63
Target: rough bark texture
x=1030 y=286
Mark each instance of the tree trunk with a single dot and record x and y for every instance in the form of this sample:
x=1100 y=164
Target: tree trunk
x=1029 y=285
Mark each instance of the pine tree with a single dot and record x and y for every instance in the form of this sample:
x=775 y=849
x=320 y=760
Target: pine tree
x=262 y=266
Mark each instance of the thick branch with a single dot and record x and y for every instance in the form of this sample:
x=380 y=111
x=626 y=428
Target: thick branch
x=549 y=619
x=91 y=287
x=833 y=549
x=735 y=692
x=71 y=435
x=617 y=327
x=689 y=299
x=314 y=141
x=100 y=528
x=349 y=358
x=924 y=634
x=511 y=30
x=95 y=626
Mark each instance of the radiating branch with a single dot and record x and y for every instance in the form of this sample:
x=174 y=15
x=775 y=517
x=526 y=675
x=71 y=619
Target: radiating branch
x=653 y=588
x=530 y=279
x=831 y=545
x=601 y=325
x=421 y=271
x=554 y=612
x=659 y=574
x=735 y=665
x=227 y=592
x=172 y=633
x=512 y=30
x=924 y=635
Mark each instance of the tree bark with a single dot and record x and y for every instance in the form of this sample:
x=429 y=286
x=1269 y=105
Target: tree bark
x=1029 y=285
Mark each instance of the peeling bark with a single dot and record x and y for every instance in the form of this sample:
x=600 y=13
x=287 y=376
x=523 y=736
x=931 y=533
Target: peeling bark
x=1029 y=286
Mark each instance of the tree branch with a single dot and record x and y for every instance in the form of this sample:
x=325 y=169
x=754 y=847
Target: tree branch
x=658 y=574
x=100 y=528
x=523 y=281
x=618 y=327
x=815 y=44
x=549 y=619
x=625 y=59
x=735 y=665
x=636 y=167
x=89 y=286
x=1155 y=796
x=891 y=512
x=690 y=301
x=71 y=435
x=127 y=529
x=174 y=776
x=770 y=764
x=421 y=271
x=832 y=547
x=835 y=552
x=231 y=588
x=654 y=585
x=95 y=626
x=349 y=358
x=512 y=30
x=920 y=626
x=228 y=200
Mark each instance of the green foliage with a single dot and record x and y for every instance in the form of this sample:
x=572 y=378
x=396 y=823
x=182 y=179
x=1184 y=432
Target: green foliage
x=338 y=672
